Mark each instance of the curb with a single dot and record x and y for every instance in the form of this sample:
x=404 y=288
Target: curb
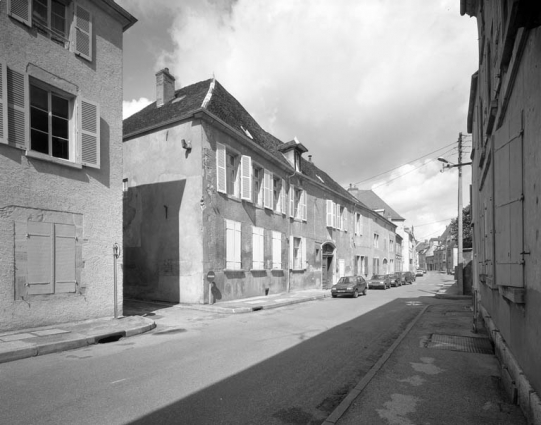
x=353 y=394
x=453 y=297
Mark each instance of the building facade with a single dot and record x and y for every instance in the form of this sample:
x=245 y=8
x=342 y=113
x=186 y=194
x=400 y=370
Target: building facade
x=60 y=159
x=504 y=119
x=218 y=209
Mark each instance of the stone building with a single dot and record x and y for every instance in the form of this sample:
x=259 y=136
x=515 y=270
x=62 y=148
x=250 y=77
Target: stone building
x=60 y=159
x=218 y=209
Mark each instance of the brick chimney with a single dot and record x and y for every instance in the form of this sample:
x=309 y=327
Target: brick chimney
x=165 y=87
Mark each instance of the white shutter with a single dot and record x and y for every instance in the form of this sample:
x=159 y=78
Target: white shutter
x=258 y=251
x=303 y=254
x=304 y=214
x=3 y=103
x=39 y=248
x=64 y=253
x=18 y=108
x=246 y=178
x=21 y=10
x=336 y=214
x=83 y=32
x=345 y=224
x=89 y=133
x=221 y=168
x=283 y=197
x=292 y=201
x=233 y=241
x=330 y=208
x=276 y=250
x=267 y=189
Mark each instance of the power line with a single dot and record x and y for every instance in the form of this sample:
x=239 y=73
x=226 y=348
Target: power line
x=385 y=172
x=434 y=222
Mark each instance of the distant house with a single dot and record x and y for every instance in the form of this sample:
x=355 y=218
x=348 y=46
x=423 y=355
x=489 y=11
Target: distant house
x=218 y=209
x=60 y=159
x=408 y=254
x=504 y=119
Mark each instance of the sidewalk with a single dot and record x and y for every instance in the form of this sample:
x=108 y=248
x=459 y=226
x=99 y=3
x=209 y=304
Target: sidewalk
x=437 y=372
x=68 y=336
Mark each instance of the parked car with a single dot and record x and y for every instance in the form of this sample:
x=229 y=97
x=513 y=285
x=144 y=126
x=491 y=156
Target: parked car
x=397 y=279
x=380 y=281
x=409 y=277
x=349 y=285
x=419 y=272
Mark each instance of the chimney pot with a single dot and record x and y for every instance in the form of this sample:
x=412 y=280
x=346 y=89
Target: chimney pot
x=310 y=158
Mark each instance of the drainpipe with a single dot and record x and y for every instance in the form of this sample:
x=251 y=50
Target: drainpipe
x=288 y=206
x=116 y=254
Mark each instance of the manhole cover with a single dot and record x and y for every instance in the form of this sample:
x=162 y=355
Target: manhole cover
x=467 y=344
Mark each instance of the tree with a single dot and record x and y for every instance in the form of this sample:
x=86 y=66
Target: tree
x=466 y=227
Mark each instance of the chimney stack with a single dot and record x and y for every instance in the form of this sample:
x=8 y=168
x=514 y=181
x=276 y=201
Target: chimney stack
x=165 y=87
x=310 y=158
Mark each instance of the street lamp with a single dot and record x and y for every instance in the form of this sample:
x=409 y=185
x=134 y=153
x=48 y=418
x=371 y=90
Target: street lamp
x=448 y=164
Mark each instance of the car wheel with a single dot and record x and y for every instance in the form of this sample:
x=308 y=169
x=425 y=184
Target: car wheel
x=364 y=291
x=356 y=293
x=334 y=296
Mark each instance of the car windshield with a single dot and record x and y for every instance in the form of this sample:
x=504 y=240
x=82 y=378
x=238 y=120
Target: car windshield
x=378 y=276
x=346 y=279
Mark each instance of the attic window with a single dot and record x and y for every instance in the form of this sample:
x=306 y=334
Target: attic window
x=178 y=99
x=320 y=179
x=246 y=132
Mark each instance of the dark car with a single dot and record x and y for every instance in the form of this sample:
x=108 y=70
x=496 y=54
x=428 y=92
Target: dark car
x=409 y=277
x=380 y=281
x=397 y=279
x=349 y=285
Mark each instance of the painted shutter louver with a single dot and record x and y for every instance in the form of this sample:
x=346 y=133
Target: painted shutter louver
x=39 y=250
x=89 y=133
x=267 y=189
x=303 y=254
x=21 y=10
x=291 y=242
x=276 y=250
x=304 y=213
x=220 y=168
x=64 y=249
x=292 y=201
x=346 y=212
x=283 y=197
x=246 y=178
x=258 y=243
x=17 y=97
x=233 y=248
x=329 y=213
x=3 y=103
x=83 y=32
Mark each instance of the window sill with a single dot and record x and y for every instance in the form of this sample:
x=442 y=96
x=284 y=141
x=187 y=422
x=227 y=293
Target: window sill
x=258 y=270
x=43 y=157
x=234 y=270
x=515 y=295
x=298 y=270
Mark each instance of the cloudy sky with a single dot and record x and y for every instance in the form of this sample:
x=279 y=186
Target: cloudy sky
x=375 y=89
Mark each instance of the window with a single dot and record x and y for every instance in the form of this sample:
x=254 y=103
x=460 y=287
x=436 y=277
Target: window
x=376 y=240
x=331 y=214
x=258 y=185
x=267 y=189
x=276 y=250
x=229 y=180
x=50 y=18
x=50 y=258
x=278 y=198
x=385 y=244
x=391 y=245
x=358 y=224
x=258 y=248
x=297 y=203
x=50 y=122
x=47 y=122
x=298 y=253
x=233 y=241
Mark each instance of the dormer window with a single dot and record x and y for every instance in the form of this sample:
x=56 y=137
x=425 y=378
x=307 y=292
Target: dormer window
x=293 y=151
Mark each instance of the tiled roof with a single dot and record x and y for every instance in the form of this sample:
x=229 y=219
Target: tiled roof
x=373 y=201
x=223 y=105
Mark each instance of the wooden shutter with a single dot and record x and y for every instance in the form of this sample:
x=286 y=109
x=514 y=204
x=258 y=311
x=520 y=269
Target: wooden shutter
x=246 y=178
x=89 y=133
x=3 y=103
x=330 y=208
x=233 y=241
x=336 y=215
x=64 y=258
x=276 y=250
x=283 y=198
x=39 y=248
x=21 y=10
x=291 y=242
x=304 y=213
x=346 y=212
x=83 y=32
x=221 y=185
x=258 y=243
x=292 y=201
x=18 y=108
x=267 y=189
x=303 y=254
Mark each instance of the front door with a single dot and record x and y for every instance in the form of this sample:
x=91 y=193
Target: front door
x=326 y=270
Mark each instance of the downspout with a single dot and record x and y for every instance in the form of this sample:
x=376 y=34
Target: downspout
x=288 y=210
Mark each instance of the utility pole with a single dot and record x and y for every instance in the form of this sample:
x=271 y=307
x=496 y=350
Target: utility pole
x=460 y=268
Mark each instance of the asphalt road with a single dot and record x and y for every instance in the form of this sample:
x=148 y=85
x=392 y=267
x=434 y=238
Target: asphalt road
x=291 y=365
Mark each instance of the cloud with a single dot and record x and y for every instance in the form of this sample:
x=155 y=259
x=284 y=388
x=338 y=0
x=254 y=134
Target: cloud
x=130 y=107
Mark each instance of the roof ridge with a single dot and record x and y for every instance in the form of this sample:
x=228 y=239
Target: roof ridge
x=208 y=97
